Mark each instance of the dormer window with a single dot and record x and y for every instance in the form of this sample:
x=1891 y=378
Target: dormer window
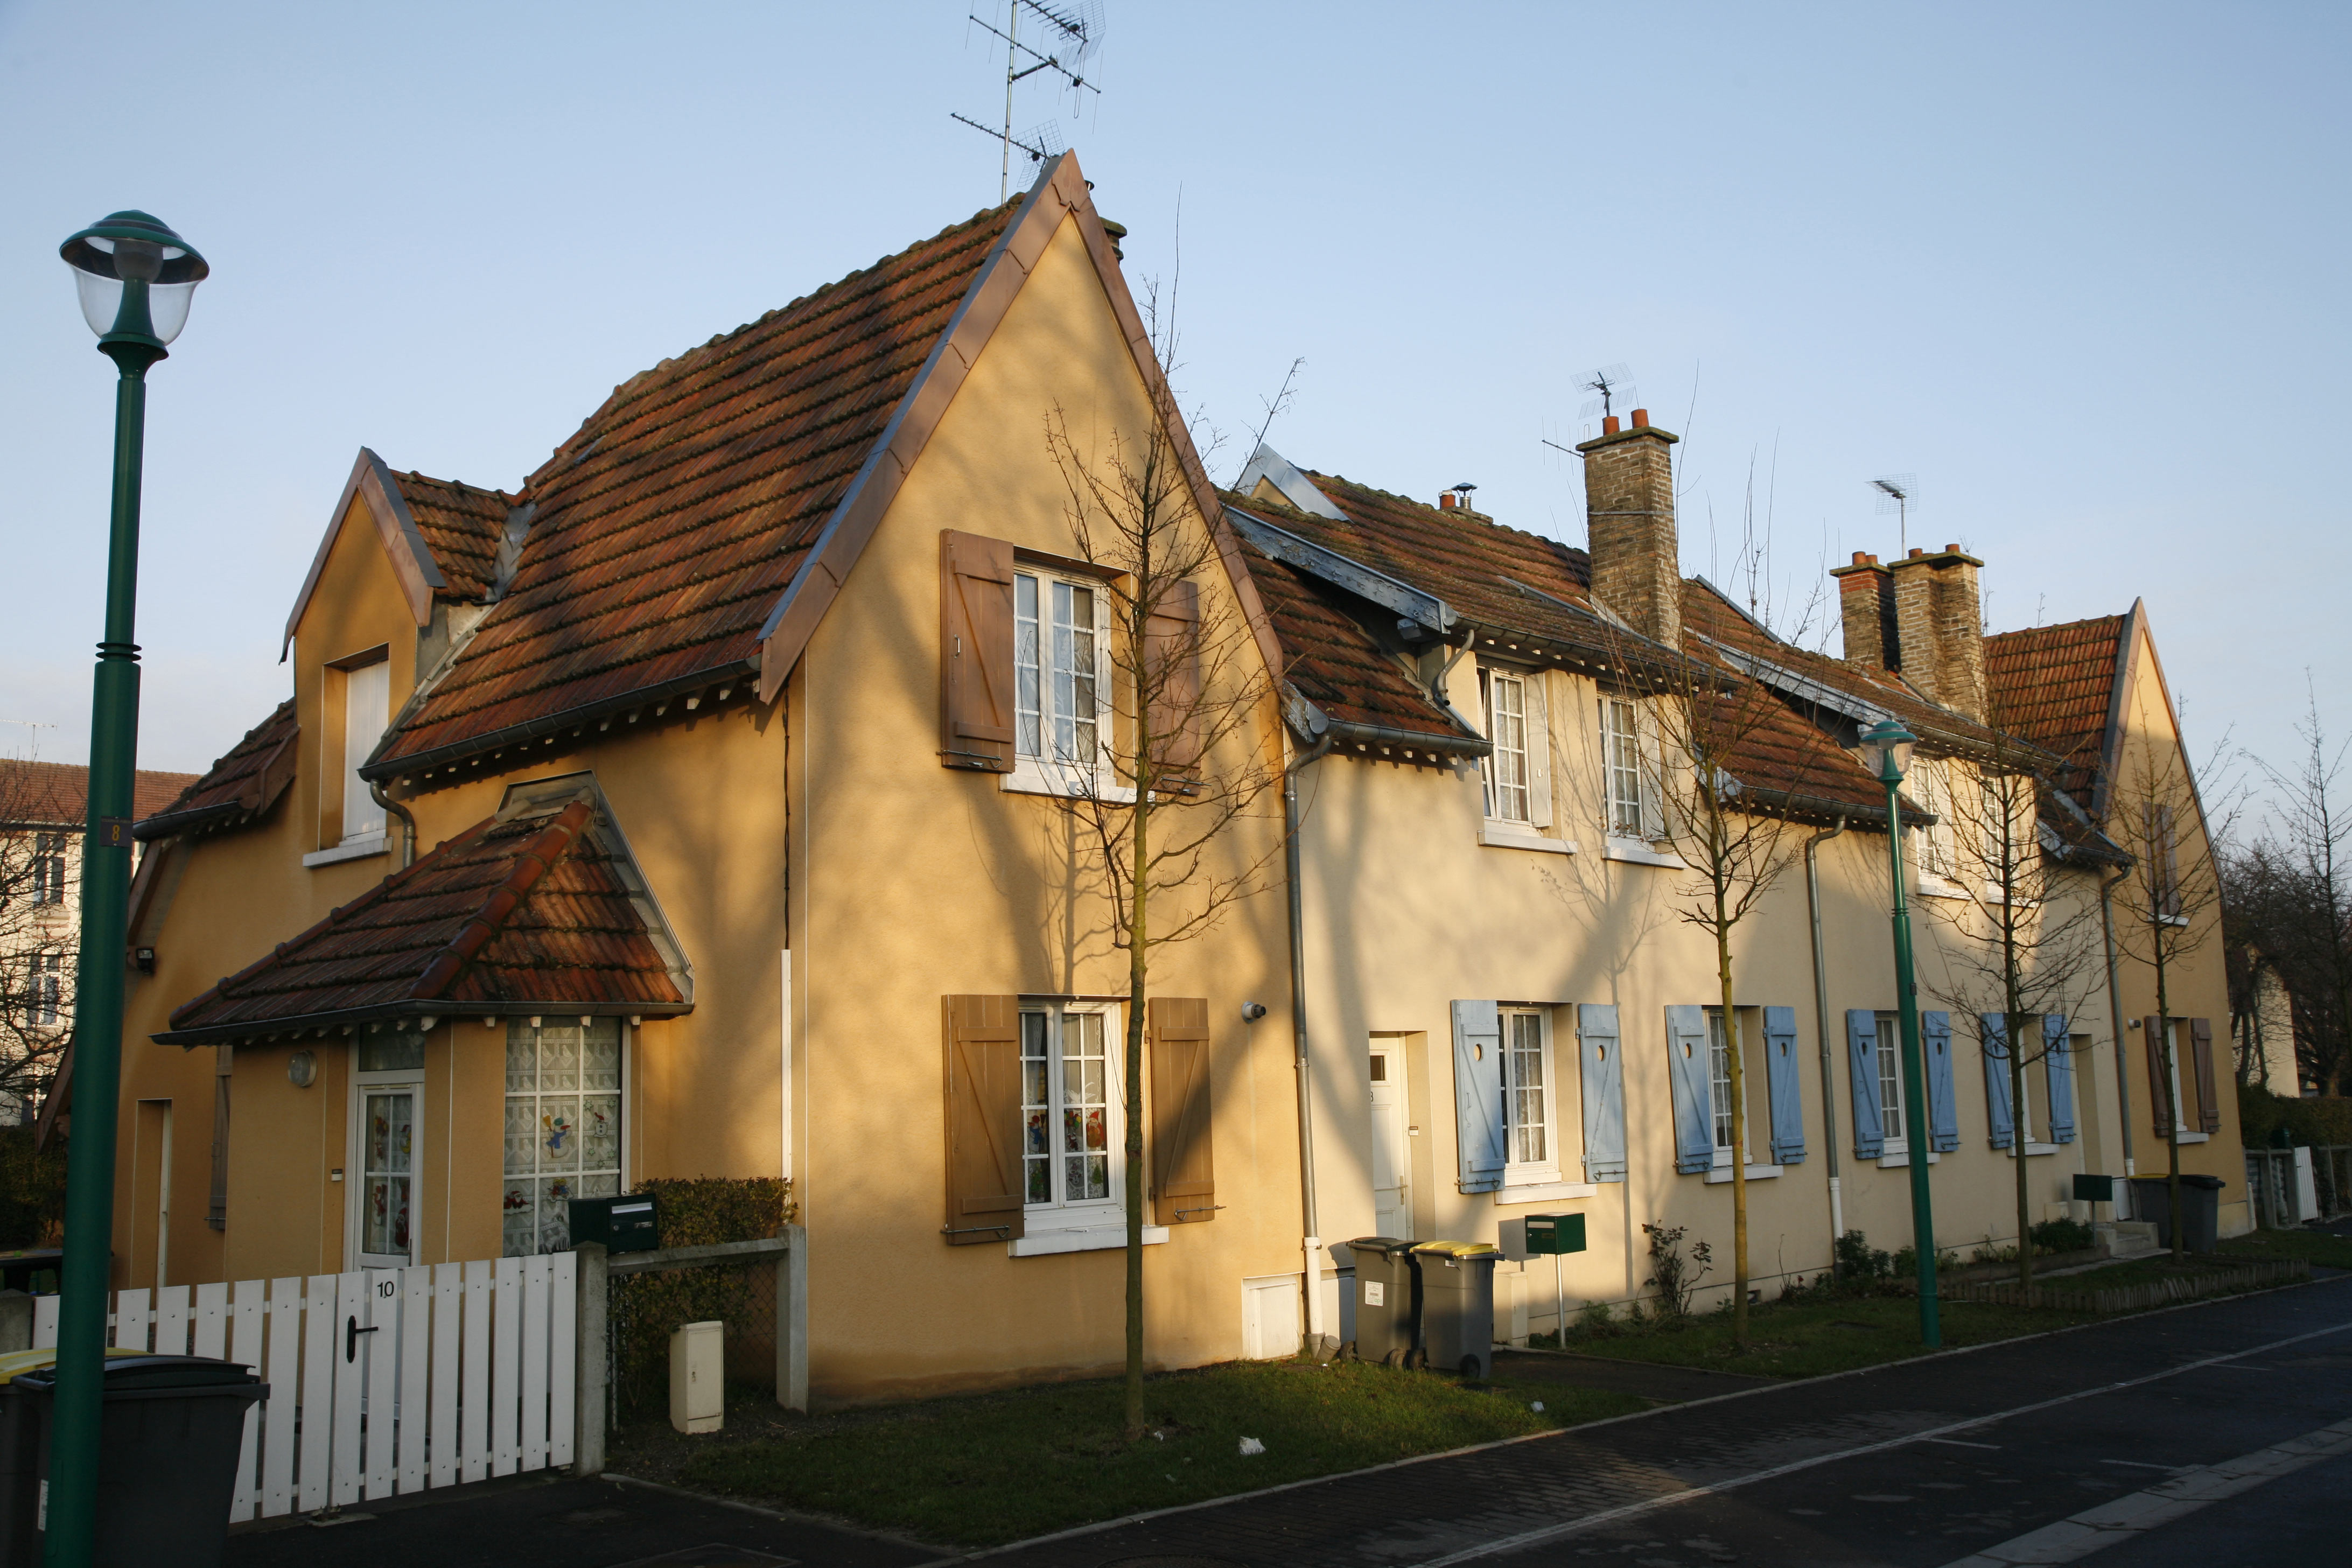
x=355 y=699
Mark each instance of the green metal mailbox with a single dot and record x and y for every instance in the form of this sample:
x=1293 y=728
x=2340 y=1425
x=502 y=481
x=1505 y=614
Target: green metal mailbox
x=1552 y=1234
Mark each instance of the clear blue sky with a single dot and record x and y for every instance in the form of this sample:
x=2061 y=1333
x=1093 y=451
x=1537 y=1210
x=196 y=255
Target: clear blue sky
x=2081 y=269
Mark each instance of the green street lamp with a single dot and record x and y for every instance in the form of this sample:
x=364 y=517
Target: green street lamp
x=1886 y=753
x=136 y=277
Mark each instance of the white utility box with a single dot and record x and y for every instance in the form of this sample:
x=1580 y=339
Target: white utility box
x=697 y=1377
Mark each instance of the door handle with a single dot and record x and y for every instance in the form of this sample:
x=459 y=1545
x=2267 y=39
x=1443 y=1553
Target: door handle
x=352 y=1332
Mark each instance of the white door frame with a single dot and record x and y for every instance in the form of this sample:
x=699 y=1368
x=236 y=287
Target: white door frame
x=1390 y=1051
x=355 y=1164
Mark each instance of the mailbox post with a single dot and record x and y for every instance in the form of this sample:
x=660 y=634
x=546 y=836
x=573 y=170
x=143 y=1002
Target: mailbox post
x=1556 y=1234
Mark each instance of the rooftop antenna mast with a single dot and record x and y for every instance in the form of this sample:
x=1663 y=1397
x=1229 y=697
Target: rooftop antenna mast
x=1072 y=32
x=1898 y=493
x=1614 y=382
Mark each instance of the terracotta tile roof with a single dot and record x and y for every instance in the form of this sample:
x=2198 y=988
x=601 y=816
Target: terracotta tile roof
x=2055 y=685
x=240 y=786
x=56 y=795
x=1334 y=662
x=462 y=526
x=536 y=910
x=668 y=526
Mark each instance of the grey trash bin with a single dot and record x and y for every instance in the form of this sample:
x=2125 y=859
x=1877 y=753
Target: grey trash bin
x=2201 y=1203
x=170 y=1433
x=1458 y=1305
x=1388 y=1299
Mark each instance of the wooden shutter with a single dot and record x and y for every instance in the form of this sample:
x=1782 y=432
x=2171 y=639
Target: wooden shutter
x=975 y=652
x=1693 y=1078
x=2200 y=1051
x=1785 y=1081
x=1479 y=1095
x=1862 y=1061
x=1172 y=662
x=1996 y=1066
x=2058 y=1059
x=984 y=1119
x=1943 y=1114
x=1538 y=735
x=1602 y=1071
x=1183 y=1173
x=2159 y=1082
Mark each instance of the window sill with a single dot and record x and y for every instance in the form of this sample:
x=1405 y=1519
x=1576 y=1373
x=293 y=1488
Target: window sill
x=1755 y=1174
x=355 y=849
x=2191 y=1137
x=1081 y=1238
x=1633 y=851
x=1897 y=1161
x=1544 y=1191
x=1931 y=886
x=2034 y=1150
x=1030 y=777
x=1512 y=836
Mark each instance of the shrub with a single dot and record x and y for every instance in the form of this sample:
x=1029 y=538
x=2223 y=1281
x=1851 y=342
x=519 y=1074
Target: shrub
x=700 y=1211
x=2320 y=1122
x=1671 y=1272
x=32 y=1190
x=2062 y=1235
x=1858 y=1261
x=1595 y=1319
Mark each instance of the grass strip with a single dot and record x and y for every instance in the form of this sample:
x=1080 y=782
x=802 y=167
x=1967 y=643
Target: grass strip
x=981 y=1470
x=1809 y=1338
x=2324 y=1248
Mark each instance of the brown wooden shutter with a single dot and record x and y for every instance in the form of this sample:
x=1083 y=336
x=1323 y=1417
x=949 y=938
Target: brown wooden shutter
x=1172 y=663
x=984 y=1118
x=1183 y=1175
x=2200 y=1051
x=975 y=652
x=2159 y=1082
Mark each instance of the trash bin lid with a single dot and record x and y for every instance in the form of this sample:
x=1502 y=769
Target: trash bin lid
x=139 y=1371
x=1462 y=1249
x=2210 y=1184
x=20 y=1362
x=1386 y=1246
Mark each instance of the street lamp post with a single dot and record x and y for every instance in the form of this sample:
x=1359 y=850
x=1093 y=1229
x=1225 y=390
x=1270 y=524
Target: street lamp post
x=1887 y=752
x=136 y=279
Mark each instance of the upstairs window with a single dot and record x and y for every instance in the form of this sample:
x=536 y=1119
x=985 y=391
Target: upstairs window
x=1061 y=679
x=47 y=878
x=1928 y=784
x=47 y=993
x=367 y=710
x=1629 y=772
x=1507 y=791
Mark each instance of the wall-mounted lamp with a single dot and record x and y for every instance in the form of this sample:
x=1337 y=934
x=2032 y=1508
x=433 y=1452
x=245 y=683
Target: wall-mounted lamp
x=1253 y=1011
x=302 y=1069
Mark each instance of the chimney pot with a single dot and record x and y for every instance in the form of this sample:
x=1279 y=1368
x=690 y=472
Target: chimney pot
x=1641 y=419
x=1951 y=550
x=1609 y=426
x=1860 y=559
x=1917 y=552
x=1447 y=500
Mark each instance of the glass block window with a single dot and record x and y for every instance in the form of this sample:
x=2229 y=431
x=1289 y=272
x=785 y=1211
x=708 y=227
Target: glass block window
x=562 y=1126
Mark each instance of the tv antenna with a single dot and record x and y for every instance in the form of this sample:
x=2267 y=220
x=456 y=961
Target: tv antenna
x=1613 y=383
x=1898 y=493
x=1071 y=32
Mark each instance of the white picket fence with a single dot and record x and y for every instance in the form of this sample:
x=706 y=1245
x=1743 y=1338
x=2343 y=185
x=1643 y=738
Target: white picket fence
x=380 y=1381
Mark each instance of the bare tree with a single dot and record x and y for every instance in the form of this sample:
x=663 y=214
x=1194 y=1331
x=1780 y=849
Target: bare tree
x=2172 y=900
x=2024 y=944
x=1187 y=761
x=2307 y=874
x=40 y=861
x=1731 y=767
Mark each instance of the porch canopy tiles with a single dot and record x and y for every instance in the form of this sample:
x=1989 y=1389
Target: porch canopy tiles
x=538 y=909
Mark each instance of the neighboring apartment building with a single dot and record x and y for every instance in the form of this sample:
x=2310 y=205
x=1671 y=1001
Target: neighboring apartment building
x=689 y=809
x=43 y=812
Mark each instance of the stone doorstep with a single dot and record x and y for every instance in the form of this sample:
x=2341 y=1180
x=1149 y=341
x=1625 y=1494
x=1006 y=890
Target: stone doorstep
x=2125 y=1238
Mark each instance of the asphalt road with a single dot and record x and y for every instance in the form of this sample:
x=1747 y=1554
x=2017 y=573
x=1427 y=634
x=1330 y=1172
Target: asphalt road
x=1930 y=1463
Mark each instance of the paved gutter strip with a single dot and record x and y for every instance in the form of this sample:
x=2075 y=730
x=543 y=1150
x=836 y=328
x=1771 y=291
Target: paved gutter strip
x=2122 y=1518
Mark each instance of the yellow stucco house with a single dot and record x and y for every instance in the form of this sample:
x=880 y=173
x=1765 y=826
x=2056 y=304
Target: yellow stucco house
x=701 y=806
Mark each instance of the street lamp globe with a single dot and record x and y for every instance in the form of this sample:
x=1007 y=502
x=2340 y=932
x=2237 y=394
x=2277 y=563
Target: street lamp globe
x=136 y=277
x=1886 y=751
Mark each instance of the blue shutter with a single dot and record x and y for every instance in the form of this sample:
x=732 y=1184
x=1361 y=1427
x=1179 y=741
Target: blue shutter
x=1786 y=1083
x=1603 y=1075
x=1862 y=1057
x=1478 y=1094
x=2060 y=1062
x=1693 y=1080
x=1943 y=1114
x=1996 y=1066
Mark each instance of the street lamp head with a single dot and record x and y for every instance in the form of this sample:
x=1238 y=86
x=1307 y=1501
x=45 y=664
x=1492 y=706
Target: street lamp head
x=1886 y=751
x=135 y=275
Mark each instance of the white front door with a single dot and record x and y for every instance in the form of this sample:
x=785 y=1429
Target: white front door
x=387 y=1137
x=1392 y=1166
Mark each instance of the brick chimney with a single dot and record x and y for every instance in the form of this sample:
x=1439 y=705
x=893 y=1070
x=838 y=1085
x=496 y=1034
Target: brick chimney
x=1629 y=497
x=1940 y=627
x=1867 y=598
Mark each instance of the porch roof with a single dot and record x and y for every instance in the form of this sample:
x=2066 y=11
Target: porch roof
x=242 y=786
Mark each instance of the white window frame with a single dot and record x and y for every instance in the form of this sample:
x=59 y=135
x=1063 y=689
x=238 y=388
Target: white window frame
x=46 y=996
x=1039 y=764
x=367 y=713
x=1719 y=1051
x=48 y=868
x=1517 y=1172
x=2177 y=1036
x=411 y=1081
x=1894 y=1141
x=1629 y=749
x=1507 y=770
x=1935 y=851
x=1087 y=1225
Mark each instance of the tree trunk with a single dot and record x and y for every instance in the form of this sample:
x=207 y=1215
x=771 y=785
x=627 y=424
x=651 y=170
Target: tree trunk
x=1139 y=969
x=1738 y=1085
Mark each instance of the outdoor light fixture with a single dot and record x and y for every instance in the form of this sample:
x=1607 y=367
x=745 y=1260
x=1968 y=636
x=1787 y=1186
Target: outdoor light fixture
x=136 y=277
x=1886 y=751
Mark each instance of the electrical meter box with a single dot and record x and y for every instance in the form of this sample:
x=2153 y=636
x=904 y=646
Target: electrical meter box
x=626 y=1223
x=697 y=1377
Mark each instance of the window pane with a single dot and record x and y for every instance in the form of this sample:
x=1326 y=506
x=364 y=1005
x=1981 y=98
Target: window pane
x=1065 y=736
x=560 y=1142
x=1623 y=759
x=1890 y=1080
x=1506 y=727
x=1084 y=665
x=1530 y=1140
x=1085 y=1129
x=1037 y=1104
x=389 y=1129
x=392 y=1050
x=1025 y=660
x=1718 y=1049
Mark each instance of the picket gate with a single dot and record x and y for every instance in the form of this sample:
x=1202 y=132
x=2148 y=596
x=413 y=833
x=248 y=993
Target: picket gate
x=381 y=1380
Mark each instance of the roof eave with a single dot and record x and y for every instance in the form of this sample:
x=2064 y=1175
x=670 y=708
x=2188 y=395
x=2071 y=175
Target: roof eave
x=255 y=1031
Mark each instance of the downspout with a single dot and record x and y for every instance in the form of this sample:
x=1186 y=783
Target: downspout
x=1311 y=1242
x=1821 y=1025
x=2115 y=1012
x=407 y=822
